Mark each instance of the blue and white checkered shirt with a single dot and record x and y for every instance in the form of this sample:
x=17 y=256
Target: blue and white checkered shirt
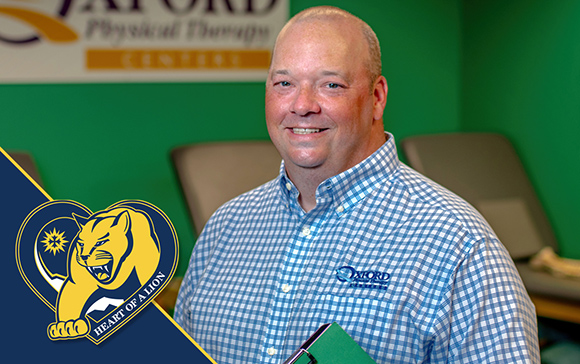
x=412 y=272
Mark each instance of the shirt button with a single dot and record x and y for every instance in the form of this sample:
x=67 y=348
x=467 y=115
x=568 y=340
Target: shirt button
x=286 y=288
x=288 y=186
x=306 y=231
x=271 y=351
x=340 y=209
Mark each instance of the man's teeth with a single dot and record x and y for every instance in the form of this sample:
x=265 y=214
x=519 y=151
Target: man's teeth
x=305 y=131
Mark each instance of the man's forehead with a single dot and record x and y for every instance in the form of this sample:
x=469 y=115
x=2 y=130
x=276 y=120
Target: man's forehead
x=325 y=61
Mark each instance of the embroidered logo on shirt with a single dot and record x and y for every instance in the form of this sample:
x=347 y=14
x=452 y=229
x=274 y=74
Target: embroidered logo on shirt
x=363 y=279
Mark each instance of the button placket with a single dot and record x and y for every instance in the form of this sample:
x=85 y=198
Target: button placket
x=290 y=275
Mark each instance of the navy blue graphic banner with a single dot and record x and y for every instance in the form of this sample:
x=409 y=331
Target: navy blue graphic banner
x=150 y=336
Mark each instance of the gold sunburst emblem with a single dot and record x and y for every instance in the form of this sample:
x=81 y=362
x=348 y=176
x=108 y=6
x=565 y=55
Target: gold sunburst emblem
x=54 y=241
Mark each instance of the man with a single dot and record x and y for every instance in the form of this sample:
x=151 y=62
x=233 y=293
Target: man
x=347 y=233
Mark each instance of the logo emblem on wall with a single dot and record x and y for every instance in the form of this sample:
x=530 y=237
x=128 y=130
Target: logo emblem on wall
x=43 y=25
x=96 y=271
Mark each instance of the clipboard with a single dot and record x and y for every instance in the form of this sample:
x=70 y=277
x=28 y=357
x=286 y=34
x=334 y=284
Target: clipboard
x=330 y=344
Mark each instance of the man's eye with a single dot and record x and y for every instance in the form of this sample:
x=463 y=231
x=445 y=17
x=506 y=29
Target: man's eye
x=284 y=83
x=333 y=85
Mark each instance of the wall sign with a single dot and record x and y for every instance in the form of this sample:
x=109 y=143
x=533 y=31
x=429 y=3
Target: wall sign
x=138 y=40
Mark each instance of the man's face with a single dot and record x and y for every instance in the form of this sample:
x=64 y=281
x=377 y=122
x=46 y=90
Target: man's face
x=319 y=103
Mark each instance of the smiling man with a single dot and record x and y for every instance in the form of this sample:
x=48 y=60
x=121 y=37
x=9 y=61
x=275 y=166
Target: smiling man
x=324 y=102
x=346 y=233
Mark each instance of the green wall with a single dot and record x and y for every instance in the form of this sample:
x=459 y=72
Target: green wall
x=521 y=78
x=504 y=66
x=101 y=143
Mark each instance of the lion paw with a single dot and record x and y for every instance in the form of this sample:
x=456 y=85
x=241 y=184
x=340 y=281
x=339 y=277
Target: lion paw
x=68 y=329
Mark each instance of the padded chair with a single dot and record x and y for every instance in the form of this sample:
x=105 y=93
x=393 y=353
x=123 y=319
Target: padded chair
x=211 y=174
x=485 y=170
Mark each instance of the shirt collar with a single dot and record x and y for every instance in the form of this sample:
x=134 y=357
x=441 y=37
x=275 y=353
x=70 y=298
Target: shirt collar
x=344 y=190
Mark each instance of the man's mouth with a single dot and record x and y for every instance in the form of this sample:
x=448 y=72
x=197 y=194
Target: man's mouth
x=304 y=131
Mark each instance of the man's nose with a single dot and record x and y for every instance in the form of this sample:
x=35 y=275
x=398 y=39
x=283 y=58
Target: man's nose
x=305 y=102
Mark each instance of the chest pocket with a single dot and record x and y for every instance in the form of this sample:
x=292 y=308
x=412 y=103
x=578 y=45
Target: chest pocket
x=351 y=310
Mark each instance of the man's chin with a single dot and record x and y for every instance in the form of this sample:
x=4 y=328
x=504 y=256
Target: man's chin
x=305 y=159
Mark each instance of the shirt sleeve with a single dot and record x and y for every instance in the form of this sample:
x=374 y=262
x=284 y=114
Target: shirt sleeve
x=486 y=315
x=199 y=258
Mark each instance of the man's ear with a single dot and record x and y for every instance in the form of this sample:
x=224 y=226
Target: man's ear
x=380 y=91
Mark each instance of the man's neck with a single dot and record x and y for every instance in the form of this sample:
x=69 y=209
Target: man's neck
x=306 y=181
